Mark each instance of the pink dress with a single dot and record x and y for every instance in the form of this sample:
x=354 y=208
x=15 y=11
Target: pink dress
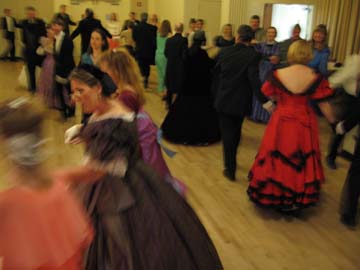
x=42 y=229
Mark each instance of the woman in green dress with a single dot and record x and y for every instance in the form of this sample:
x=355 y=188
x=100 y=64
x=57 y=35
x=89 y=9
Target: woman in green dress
x=160 y=59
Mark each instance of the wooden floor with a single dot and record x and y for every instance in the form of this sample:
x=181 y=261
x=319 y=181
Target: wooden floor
x=246 y=237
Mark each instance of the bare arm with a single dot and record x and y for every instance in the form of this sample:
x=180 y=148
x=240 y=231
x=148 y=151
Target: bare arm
x=327 y=110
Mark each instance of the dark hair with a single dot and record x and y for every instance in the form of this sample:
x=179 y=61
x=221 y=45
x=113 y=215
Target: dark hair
x=105 y=44
x=255 y=17
x=144 y=16
x=165 y=28
x=30 y=8
x=58 y=21
x=245 y=33
x=272 y=27
x=297 y=26
x=200 y=20
x=192 y=20
x=199 y=39
x=89 y=13
x=92 y=76
x=130 y=24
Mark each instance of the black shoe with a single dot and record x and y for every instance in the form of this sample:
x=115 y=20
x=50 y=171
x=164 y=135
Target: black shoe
x=330 y=162
x=348 y=221
x=229 y=175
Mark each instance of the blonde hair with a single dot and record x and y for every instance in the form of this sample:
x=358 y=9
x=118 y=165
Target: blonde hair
x=126 y=69
x=300 y=52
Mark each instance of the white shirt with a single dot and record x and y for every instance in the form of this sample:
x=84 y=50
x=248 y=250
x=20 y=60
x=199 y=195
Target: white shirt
x=10 y=24
x=114 y=28
x=59 y=40
x=348 y=75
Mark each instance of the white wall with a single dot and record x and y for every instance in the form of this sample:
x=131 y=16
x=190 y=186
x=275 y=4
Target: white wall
x=172 y=10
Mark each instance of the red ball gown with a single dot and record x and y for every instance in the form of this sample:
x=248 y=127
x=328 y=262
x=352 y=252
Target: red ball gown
x=287 y=172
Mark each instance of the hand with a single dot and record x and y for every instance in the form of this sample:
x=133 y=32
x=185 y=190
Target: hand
x=72 y=135
x=274 y=59
x=340 y=128
x=269 y=106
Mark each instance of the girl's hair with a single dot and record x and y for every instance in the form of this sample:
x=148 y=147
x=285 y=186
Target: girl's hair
x=321 y=28
x=165 y=28
x=92 y=76
x=21 y=123
x=272 y=27
x=105 y=43
x=21 y=116
x=300 y=52
x=126 y=69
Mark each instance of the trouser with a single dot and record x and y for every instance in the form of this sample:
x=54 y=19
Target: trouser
x=144 y=65
x=64 y=96
x=10 y=37
x=32 y=60
x=351 y=189
x=334 y=145
x=230 y=127
x=31 y=67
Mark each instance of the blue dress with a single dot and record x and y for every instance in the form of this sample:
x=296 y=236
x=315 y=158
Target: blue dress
x=86 y=59
x=259 y=114
x=320 y=61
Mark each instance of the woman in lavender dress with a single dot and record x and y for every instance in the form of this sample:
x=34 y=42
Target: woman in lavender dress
x=270 y=58
x=122 y=68
x=46 y=86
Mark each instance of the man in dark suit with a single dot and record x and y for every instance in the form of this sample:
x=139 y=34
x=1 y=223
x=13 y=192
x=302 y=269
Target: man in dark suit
x=132 y=18
x=144 y=35
x=86 y=27
x=66 y=19
x=176 y=54
x=8 y=24
x=351 y=189
x=32 y=29
x=64 y=64
x=237 y=78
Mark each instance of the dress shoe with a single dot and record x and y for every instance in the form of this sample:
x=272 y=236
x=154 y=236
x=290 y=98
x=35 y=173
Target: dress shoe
x=229 y=175
x=348 y=221
x=331 y=163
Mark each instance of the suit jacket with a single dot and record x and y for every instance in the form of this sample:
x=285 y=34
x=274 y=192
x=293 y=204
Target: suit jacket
x=4 y=26
x=124 y=27
x=31 y=33
x=64 y=60
x=144 y=35
x=237 y=79
x=67 y=21
x=176 y=49
x=85 y=28
x=353 y=117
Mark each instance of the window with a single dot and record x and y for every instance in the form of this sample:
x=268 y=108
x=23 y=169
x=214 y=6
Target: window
x=284 y=17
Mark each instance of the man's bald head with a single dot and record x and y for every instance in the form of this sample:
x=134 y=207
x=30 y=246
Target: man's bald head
x=179 y=28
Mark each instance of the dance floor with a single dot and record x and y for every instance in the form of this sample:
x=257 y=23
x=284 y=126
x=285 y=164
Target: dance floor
x=246 y=237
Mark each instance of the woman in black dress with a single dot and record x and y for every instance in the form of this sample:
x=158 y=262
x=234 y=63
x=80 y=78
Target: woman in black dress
x=192 y=118
x=140 y=221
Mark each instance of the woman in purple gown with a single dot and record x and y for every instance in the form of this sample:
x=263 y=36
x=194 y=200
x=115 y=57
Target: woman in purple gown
x=46 y=85
x=270 y=58
x=122 y=68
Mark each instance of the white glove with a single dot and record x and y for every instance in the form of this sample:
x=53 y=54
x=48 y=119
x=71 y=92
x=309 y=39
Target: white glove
x=340 y=128
x=72 y=135
x=269 y=106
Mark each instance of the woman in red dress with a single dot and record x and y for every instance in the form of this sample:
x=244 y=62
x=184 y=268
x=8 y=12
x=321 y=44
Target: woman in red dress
x=287 y=173
x=42 y=224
